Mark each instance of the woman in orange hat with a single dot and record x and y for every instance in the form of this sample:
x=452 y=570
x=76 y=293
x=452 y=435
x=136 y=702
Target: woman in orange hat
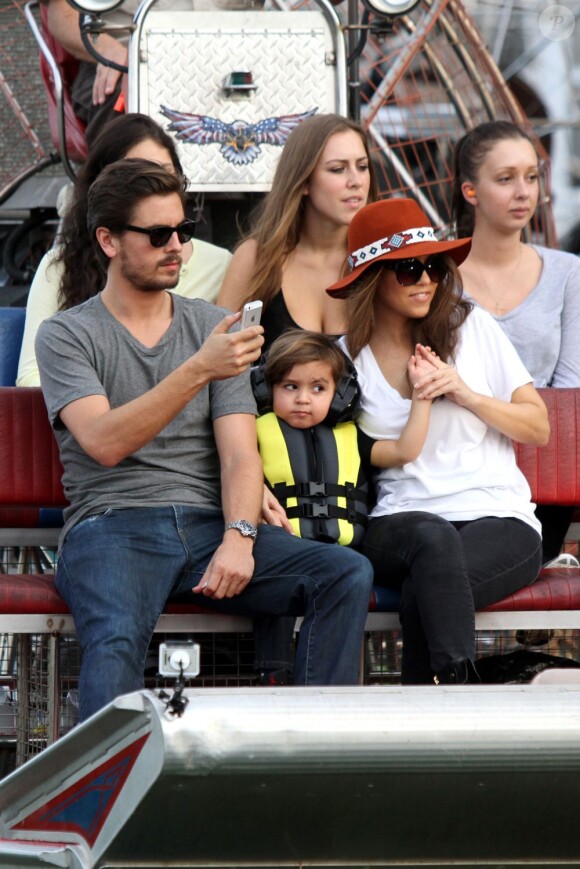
x=455 y=529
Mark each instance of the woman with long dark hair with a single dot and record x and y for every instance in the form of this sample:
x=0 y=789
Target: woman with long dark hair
x=531 y=291
x=70 y=273
x=455 y=529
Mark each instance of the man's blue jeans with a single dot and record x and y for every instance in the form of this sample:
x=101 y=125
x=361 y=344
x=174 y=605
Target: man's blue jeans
x=117 y=569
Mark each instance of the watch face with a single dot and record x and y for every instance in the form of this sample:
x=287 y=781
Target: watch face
x=244 y=527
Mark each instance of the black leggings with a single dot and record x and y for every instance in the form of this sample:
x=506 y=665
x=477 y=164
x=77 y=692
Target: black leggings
x=445 y=571
x=555 y=521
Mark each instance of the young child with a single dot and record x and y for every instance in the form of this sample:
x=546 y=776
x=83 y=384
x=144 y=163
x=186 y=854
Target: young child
x=316 y=461
x=313 y=455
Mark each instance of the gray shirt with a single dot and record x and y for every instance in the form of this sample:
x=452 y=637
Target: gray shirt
x=545 y=328
x=86 y=351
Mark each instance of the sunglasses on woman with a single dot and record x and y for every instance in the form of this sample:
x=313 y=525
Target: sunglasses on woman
x=409 y=271
x=159 y=235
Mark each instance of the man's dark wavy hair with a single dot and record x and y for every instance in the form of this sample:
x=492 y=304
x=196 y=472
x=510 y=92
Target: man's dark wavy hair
x=83 y=275
x=119 y=188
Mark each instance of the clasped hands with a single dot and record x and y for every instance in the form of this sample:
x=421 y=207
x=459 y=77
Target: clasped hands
x=431 y=378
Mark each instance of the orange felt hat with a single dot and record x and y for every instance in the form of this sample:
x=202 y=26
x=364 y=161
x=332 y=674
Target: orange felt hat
x=392 y=229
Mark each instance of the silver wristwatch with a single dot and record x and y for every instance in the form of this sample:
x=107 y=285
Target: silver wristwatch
x=245 y=528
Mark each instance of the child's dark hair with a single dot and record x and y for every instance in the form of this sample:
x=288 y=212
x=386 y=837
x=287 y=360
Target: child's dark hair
x=470 y=152
x=297 y=347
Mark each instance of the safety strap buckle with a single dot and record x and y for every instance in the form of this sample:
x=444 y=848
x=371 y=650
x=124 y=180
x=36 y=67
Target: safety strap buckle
x=315 y=511
x=311 y=490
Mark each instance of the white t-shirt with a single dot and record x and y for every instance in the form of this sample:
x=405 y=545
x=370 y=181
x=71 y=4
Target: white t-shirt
x=466 y=469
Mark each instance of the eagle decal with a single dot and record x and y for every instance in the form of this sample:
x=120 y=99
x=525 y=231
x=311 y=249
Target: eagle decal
x=240 y=142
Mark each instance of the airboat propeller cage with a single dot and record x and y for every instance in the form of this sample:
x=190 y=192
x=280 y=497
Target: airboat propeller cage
x=95 y=7
x=231 y=85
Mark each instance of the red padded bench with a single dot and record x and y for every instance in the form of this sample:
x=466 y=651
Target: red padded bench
x=30 y=474
x=30 y=495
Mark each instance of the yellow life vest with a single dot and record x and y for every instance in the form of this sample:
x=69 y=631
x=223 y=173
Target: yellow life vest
x=316 y=475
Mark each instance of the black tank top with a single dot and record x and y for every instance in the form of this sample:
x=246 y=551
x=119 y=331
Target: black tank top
x=276 y=320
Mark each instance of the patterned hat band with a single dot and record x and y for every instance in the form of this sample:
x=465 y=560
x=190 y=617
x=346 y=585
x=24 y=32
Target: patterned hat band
x=389 y=244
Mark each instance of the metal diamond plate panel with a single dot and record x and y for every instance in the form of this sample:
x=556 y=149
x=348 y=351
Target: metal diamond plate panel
x=183 y=67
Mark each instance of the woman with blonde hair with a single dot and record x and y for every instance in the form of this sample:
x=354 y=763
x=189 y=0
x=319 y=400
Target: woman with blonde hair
x=296 y=248
x=298 y=242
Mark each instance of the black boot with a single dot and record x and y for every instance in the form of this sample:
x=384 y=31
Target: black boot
x=461 y=672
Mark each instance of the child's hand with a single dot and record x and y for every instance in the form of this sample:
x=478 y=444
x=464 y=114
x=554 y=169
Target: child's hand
x=273 y=512
x=422 y=362
x=437 y=378
x=427 y=358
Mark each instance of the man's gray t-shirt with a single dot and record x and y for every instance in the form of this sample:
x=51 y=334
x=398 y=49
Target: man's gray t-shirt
x=86 y=351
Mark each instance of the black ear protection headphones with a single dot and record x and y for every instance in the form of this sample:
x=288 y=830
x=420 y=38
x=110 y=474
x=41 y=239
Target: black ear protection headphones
x=345 y=402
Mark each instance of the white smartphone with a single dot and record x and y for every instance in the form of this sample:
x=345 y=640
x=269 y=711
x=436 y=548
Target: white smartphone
x=251 y=313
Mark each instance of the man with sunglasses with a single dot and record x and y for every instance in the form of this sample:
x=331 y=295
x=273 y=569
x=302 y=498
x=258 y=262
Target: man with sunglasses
x=151 y=404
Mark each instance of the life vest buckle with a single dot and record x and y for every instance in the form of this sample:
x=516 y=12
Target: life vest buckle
x=311 y=490
x=315 y=511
